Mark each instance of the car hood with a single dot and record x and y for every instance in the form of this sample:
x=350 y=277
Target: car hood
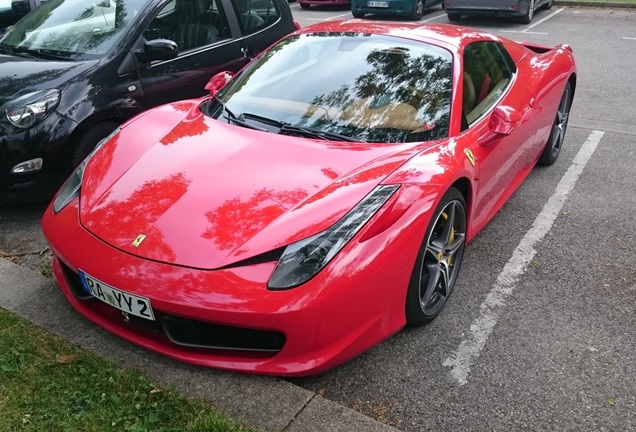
x=206 y=194
x=24 y=75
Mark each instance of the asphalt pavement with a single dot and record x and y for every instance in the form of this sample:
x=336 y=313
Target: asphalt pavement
x=265 y=402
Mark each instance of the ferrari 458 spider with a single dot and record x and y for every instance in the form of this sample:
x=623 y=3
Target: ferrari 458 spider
x=313 y=204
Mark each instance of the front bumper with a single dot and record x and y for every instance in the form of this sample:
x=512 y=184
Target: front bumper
x=504 y=8
x=48 y=140
x=324 y=2
x=395 y=7
x=354 y=303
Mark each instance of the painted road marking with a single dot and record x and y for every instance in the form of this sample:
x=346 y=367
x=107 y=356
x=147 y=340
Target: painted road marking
x=461 y=360
x=522 y=31
x=629 y=38
x=531 y=26
x=333 y=17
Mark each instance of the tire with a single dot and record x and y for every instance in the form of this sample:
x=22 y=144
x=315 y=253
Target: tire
x=438 y=261
x=548 y=5
x=89 y=139
x=527 y=18
x=357 y=14
x=304 y=6
x=418 y=10
x=454 y=17
x=559 y=127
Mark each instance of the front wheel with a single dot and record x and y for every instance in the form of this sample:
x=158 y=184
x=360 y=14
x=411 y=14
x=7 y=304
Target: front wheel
x=418 y=10
x=548 y=5
x=557 y=134
x=89 y=139
x=454 y=17
x=356 y=14
x=304 y=6
x=438 y=261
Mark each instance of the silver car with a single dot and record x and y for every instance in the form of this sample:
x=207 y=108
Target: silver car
x=523 y=9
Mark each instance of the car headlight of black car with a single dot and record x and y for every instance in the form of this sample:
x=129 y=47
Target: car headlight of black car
x=30 y=109
x=304 y=259
x=72 y=186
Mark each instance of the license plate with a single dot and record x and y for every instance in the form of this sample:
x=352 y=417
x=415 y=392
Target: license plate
x=126 y=302
x=380 y=4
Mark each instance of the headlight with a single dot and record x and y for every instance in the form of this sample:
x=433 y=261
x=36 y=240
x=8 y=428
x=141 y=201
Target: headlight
x=304 y=259
x=32 y=108
x=72 y=186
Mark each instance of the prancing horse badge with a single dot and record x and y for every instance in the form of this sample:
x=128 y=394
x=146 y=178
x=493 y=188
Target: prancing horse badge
x=138 y=240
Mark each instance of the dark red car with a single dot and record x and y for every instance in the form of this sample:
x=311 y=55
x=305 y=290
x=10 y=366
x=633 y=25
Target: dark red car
x=315 y=204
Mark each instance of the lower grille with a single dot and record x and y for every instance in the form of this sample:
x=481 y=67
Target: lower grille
x=187 y=332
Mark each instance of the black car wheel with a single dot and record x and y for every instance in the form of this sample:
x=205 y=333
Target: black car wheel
x=304 y=6
x=454 y=17
x=557 y=134
x=438 y=261
x=357 y=14
x=548 y=5
x=418 y=10
x=89 y=139
x=527 y=18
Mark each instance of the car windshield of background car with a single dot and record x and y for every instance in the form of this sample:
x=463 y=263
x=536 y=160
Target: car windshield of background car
x=368 y=87
x=73 y=28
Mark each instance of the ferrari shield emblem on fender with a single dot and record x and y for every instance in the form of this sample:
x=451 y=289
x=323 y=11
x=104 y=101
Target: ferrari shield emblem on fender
x=470 y=156
x=138 y=240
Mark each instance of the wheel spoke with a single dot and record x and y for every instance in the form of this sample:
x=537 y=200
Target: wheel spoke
x=451 y=248
x=427 y=292
x=445 y=236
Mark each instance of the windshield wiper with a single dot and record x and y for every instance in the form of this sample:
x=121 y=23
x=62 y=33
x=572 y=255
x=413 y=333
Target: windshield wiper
x=232 y=118
x=301 y=130
x=39 y=53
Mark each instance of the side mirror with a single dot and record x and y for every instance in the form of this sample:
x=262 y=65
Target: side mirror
x=157 y=49
x=504 y=120
x=218 y=81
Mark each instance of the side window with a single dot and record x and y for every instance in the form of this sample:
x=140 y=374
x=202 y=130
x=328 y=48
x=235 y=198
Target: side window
x=254 y=15
x=488 y=71
x=190 y=23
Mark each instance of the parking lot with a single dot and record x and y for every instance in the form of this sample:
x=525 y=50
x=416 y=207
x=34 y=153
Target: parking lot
x=548 y=345
x=540 y=333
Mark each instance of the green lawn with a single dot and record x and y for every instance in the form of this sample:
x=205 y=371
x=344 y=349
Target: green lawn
x=50 y=385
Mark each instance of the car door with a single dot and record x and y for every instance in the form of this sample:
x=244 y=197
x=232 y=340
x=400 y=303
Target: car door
x=491 y=88
x=207 y=43
x=261 y=22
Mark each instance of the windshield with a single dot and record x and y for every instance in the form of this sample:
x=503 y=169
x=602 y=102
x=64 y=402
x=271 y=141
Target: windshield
x=72 y=28
x=363 y=87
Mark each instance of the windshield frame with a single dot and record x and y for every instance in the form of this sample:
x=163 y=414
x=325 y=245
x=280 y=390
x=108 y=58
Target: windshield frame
x=38 y=22
x=383 y=131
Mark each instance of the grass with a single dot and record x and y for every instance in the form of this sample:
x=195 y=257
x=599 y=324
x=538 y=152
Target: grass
x=48 y=384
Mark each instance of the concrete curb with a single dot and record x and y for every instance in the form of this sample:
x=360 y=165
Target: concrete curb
x=607 y=4
x=269 y=403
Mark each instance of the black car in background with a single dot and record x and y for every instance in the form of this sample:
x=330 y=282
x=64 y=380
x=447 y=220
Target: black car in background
x=12 y=10
x=71 y=71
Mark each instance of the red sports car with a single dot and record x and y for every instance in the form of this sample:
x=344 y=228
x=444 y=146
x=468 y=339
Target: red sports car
x=313 y=204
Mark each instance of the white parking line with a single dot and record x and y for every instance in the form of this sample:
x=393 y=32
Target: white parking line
x=531 y=26
x=629 y=38
x=469 y=350
x=333 y=17
x=434 y=18
x=522 y=31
